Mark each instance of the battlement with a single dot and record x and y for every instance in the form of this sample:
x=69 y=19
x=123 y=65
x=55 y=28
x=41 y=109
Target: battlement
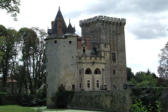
x=88 y=59
x=103 y=19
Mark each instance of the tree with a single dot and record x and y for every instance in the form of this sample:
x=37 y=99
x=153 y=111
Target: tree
x=144 y=79
x=163 y=67
x=130 y=74
x=11 y=6
x=8 y=49
x=33 y=58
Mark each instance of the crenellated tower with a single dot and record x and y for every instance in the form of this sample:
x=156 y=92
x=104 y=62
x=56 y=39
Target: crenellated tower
x=104 y=32
x=96 y=61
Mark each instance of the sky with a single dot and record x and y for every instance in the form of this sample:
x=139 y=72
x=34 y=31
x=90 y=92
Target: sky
x=146 y=29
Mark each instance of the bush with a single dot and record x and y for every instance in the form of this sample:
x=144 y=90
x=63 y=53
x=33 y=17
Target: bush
x=139 y=107
x=31 y=100
x=62 y=97
x=147 y=96
x=2 y=95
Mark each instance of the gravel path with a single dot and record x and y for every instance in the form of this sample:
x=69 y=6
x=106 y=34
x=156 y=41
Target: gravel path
x=62 y=110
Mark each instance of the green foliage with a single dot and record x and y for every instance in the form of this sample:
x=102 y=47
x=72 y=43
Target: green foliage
x=11 y=6
x=8 y=51
x=162 y=82
x=22 y=62
x=15 y=108
x=130 y=74
x=144 y=79
x=138 y=107
x=62 y=97
x=158 y=105
x=147 y=95
x=2 y=95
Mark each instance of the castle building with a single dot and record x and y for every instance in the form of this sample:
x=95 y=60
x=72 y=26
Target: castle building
x=96 y=61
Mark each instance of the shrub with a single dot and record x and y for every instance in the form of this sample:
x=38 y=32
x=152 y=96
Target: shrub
x=62 y=97
x=2 y=95
x=138 y=107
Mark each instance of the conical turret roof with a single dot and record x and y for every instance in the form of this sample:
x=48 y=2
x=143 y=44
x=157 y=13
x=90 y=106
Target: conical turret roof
x=58 y=25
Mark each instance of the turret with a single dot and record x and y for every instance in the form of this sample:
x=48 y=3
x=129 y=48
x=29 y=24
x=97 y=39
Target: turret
x=58 y=26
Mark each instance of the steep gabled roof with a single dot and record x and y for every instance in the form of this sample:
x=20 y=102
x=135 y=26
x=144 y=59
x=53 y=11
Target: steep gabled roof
x=70 y=29
x=58 y=25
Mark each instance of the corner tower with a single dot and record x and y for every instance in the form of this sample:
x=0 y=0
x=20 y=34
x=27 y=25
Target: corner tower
x=61 y=52
x=105 y=31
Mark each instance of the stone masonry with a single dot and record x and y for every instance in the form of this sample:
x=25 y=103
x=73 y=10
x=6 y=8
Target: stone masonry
x=96 y=61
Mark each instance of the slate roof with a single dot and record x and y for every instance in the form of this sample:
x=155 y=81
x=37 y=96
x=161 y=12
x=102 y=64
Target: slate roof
x=70 y=29
x=54 y=29
x=54 y=26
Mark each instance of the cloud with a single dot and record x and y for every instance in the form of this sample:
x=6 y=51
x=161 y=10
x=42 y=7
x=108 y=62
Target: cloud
x=128 y=6
x=149 y=29
x=148 y=15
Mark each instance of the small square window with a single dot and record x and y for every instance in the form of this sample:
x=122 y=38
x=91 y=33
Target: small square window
x=114 y=72
x=55 y=41
x=114 y=57
x=70 y=42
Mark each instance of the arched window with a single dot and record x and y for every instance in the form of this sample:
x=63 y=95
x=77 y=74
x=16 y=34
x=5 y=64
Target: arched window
x=97 y=71
x=88 y=71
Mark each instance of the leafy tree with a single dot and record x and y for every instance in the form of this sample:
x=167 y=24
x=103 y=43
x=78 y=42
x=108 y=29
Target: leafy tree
x=144 y=79
x=8 y=49
x=130 y=74
x=163 y=67
x=33 y=58
x=11 y=6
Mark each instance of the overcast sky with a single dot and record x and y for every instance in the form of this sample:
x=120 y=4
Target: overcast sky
x=146 y=31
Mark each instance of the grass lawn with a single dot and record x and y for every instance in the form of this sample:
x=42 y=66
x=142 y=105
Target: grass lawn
x=44 y=109
x=68 y=110
x=15 y=108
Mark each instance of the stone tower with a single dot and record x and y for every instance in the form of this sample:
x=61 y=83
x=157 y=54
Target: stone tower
x=61 y=52
x=102 y=32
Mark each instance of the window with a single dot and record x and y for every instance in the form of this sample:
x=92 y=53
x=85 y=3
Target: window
x=97 y=83
x=70 y=42
x=97 y=71
x=88 y=83
x=114 y=57
x=80 y=85
x=80 y=71
x=88 y=71
x=94 y=51
x=83 y=49
x=73 y=87
x=55 y=41
x=114 y=72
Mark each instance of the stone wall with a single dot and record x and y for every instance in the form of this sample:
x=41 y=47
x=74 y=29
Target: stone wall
x=118 y=101
x=61 y=64
x=102 y=30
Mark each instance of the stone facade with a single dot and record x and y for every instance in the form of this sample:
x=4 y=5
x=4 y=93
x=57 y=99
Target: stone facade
x=96 y=61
